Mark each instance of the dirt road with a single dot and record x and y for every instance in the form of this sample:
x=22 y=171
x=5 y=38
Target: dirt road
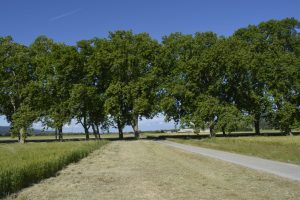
x=148 y=170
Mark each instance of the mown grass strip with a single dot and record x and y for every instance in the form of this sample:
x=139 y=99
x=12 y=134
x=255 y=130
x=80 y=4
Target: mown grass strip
x=281 y=148
x=22 y=165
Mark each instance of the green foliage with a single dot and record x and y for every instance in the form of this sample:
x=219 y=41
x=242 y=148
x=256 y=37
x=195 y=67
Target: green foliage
x=23 y=118
x=199 y=80
x=284 y=118
x=210 y=112
x=88 y=96
x=179 y=59
x=22 y=165
x=275 y=70
x=132 y=90
x=58 y=68
x=16 y=81
x=256 y=71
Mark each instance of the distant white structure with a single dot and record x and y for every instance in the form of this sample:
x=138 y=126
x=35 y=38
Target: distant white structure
x=204 y=130
x=190 y=130
x=186 y=130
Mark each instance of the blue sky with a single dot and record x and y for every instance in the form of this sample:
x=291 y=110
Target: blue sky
x=69 y=21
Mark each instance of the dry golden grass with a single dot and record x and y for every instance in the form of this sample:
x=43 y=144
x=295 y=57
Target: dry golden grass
x=148 y=170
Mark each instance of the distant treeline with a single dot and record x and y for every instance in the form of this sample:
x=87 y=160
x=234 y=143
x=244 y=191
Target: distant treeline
x=200 y=80
x=5 y=131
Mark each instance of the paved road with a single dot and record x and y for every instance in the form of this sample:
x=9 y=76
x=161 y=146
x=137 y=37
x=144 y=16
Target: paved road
x=286 y=170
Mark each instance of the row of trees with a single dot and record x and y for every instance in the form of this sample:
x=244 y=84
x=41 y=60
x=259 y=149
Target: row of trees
x=199 y=80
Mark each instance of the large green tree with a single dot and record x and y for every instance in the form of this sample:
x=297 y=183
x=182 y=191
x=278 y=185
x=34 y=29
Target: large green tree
x=97 y=70
x=273 y=72
x=131 y=93
x=16 y=87
x=183 y=79
x=86 y=96
x=216 y=115
x=57 y=69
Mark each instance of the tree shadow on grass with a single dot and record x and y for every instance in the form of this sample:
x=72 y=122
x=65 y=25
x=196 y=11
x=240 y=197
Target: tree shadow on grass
x=240 y=134
x=157 y=137
x=68 y=140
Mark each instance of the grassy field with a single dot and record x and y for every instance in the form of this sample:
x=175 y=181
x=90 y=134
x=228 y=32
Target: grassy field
x=127 y=135
x=133 y=170
x=24 y=164
x=281 y=148
x=66 y=136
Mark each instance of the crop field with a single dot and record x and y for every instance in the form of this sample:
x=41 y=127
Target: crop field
x=281 y=148
x=22 y=165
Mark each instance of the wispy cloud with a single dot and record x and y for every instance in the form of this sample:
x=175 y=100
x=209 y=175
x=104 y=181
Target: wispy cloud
x=65 y=15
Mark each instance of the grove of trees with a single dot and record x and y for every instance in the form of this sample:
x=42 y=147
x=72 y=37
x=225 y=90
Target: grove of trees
x=201 y=80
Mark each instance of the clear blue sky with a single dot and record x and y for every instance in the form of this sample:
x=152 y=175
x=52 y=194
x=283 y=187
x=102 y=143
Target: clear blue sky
x=72 y=20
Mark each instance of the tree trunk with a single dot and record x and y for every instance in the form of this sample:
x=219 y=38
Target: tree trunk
x=257 y=124
x=98 y=132
x=120 y=129
x=22 y=135
x=120 y=133
x=288 y=132
x=85 y=127
x=135 y=127
x=87 y=134
x=55 y=133
x=94 y=131
x=211 y=130
x=223 y=131
x=60 y=133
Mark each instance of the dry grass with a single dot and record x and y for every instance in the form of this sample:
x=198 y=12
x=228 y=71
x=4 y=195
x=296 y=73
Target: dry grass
x=148 y=170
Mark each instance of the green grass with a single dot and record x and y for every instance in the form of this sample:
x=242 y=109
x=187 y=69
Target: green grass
x=24 y=164
x=281 y=148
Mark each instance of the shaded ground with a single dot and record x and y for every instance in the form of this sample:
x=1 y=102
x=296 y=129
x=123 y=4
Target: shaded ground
x=66 y=137
x=148 y=170
x=144 y=135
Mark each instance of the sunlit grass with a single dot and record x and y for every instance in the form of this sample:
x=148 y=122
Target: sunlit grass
x=24 y=164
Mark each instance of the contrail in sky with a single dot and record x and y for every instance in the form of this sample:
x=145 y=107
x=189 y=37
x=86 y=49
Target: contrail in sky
x=64 y=15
